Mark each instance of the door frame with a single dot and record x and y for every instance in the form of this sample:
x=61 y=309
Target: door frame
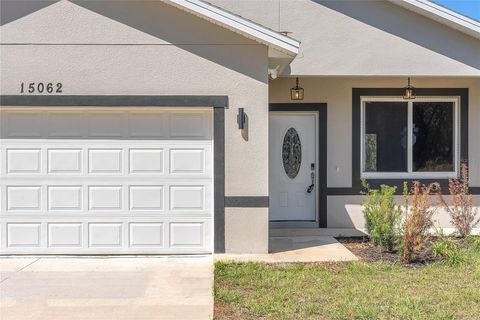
x=300 y=223
x=321 y=109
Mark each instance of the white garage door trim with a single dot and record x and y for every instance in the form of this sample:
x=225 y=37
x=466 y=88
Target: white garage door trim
x=105 y=163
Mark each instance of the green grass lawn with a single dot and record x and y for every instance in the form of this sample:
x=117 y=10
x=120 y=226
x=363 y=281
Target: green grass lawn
x=354 y=290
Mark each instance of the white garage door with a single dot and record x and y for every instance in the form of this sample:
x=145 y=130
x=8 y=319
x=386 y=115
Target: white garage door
x=106 y=180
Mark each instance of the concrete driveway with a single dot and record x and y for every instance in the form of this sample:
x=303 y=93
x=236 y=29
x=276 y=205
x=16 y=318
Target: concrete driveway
x=106 y=288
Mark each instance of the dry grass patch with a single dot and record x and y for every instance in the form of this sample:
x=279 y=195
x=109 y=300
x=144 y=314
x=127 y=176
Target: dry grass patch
x=354 y=290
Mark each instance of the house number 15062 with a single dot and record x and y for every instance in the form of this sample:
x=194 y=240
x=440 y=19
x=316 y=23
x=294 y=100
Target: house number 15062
x=41 y=87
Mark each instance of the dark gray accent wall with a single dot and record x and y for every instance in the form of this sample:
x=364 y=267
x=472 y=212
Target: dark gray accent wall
x=219 y=103
x=247 y=202
x=321 y=108
x=219 y=179
x=114 y=101
x=357 y=93
x=475 y=190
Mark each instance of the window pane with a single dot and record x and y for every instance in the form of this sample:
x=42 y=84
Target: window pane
x=433 y=136
x=386 y=136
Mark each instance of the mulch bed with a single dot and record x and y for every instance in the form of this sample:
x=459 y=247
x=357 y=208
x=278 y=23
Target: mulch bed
x=368 y=252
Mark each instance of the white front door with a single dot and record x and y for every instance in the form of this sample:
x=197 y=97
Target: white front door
x=292 y=153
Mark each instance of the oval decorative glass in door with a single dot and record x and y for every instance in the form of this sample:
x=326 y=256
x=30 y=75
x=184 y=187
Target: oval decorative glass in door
x=291 y=153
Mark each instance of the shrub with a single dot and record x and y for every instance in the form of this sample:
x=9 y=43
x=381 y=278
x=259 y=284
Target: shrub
x=448 y=250
x=382 y=216
x=462 y=213
x=418 y=221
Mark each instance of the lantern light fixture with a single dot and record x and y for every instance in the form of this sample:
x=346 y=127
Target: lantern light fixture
x=296 y=93
x=408 y=91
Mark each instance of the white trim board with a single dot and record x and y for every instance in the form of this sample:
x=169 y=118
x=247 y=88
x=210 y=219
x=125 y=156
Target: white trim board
x=442 y=15
x=290 y=46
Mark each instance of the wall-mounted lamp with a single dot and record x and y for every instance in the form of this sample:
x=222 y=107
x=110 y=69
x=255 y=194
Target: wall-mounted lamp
x=296 y=93
x=241 y=118
x=408 y=91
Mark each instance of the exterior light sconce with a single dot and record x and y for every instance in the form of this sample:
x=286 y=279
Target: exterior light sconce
x=241 y=117
x=296 y=93
x=408 y=91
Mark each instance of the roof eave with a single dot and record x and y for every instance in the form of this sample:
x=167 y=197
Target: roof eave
x=239 y=25
x=442 y=15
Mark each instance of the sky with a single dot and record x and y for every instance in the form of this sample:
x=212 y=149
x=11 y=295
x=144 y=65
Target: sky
x=469 y=8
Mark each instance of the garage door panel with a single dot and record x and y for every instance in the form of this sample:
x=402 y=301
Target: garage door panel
x=105 y=234
x=106 y=124
x=187 y=198
x=143 y=234
x=110 y=236
x=65 y=197
x=147 y=125
x=175 y=199
x=106 y=182
x=105 y=197
x=146 y=198
x=105 y=161
x=187 y=161
x=22 y=125
x=23 y=198
x=65 y=235
x=64 y=161
x=189 y=125
x=146 y=161
x=186 y=234
x=23 y=161
x=23 y=235
x=65 y=124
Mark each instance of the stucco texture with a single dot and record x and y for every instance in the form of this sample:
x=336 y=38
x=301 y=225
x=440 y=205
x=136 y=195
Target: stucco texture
x=147 y=48
x=345 y=211
x=359 y=37
x=337 y=93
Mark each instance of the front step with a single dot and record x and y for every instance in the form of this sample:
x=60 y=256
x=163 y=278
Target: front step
x=308 y=232
x=295 y=249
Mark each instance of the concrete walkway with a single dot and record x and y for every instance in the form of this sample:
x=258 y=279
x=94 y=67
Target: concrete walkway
x=106 y=288
x=289 y=249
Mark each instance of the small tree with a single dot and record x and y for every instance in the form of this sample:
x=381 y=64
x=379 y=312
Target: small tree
x=462 y=213
x=382 y=216
x=418 y=221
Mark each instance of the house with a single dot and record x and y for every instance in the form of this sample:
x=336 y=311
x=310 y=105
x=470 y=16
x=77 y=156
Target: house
x=187 y=127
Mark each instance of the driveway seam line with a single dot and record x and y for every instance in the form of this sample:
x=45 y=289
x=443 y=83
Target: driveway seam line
x=28 y=265
x=23 y=268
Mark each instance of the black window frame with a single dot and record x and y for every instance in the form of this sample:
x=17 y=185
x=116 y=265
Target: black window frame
x=409 y=172
x=357 y=93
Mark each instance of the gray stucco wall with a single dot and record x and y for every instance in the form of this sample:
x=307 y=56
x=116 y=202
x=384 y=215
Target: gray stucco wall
x=363 y=38
x=345 y=211
x=337 y=93
x=149 y=48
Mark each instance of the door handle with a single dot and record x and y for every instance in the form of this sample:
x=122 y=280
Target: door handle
x=310 y=188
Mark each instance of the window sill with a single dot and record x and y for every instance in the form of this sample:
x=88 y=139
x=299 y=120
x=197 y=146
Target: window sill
x=409 y=175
